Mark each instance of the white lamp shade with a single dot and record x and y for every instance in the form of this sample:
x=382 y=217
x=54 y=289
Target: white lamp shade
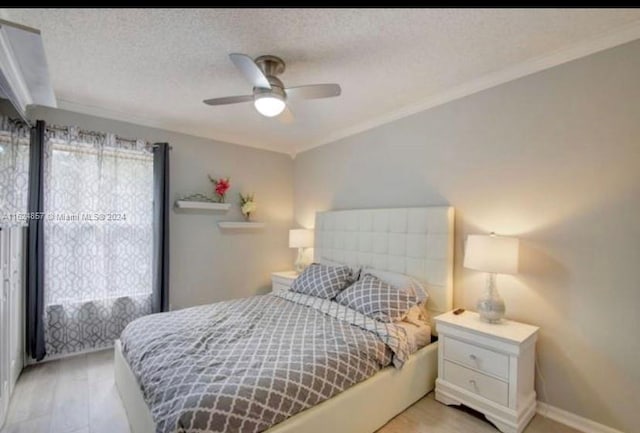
x=300 y=238
x=491 y=253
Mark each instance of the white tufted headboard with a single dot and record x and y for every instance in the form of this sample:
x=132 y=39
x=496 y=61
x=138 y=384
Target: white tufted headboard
x=414 y=241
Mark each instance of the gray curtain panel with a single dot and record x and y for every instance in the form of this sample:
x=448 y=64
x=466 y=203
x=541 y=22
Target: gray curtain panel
x=161 y=203
x=35 y=247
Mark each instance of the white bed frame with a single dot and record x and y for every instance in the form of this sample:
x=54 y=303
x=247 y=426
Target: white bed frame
x=413 y=241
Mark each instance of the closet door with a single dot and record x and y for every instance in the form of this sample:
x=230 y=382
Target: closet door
x=4 y=325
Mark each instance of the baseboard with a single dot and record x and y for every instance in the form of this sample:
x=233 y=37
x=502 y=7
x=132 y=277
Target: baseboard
x=31 y=361
x=572 y=420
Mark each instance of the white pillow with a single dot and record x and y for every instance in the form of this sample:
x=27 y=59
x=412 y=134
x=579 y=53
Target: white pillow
x=401 y=282
x=418 y=336
x=417 y=315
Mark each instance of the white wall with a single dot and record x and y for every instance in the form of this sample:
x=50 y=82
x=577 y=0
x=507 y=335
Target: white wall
x=553 y=158
x=208 y=264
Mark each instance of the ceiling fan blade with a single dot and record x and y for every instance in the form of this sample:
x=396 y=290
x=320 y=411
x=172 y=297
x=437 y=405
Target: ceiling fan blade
x=286 y=116
x=228 y=100
x=250 y=70
x=313 y=91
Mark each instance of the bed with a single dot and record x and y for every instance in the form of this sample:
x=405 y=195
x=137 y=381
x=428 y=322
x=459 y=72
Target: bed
x=413 y=241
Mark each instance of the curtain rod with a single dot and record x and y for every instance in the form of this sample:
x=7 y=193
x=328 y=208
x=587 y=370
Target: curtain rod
x=97 y=134
x=86 y=132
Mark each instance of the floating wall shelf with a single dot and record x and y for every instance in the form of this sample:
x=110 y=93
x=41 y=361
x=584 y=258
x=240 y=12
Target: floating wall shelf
x=186 y=204
x=240 y=225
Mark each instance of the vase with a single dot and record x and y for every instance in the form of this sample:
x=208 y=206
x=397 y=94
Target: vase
x=247 y=216
x=220 y=198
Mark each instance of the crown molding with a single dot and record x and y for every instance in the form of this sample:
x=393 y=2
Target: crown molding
x=587 y=47
x=24 y=75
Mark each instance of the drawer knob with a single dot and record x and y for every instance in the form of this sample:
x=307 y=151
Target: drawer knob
x=473 y=357
x=474 y=384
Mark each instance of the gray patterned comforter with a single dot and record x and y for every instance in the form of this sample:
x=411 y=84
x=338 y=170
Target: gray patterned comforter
x=246 y=365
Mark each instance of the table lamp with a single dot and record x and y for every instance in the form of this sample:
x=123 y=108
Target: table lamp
x=300 y=239
x=495 y=255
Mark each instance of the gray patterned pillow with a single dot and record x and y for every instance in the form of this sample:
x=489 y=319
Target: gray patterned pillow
x=377 y=299
x=322 y=281
x=355 y=269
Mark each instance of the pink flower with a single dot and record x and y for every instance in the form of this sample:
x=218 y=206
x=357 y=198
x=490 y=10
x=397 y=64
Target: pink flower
x=222 y=185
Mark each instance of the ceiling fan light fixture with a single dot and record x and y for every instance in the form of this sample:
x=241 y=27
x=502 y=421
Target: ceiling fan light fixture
x=269 y=105
x=270 y=96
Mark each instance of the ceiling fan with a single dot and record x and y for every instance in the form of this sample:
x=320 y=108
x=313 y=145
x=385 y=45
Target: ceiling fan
x=269 y=95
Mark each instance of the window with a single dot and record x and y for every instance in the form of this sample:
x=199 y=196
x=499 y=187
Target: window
x=98 y=237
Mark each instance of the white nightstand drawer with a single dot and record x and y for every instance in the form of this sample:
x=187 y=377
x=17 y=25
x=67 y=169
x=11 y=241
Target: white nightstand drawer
x=488 y=361
x=478 y=383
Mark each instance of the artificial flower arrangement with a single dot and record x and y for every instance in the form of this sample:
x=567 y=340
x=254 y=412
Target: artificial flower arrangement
x=220 y=187
x=247 y=205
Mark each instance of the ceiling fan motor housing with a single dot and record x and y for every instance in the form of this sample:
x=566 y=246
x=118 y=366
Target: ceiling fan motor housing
x=270 y=65
x=274 y=90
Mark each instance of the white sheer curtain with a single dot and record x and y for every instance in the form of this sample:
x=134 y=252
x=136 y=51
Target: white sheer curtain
x=14 y=172
x=98 y=237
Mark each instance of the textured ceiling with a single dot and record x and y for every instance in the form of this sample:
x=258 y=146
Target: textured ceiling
x=155 y=66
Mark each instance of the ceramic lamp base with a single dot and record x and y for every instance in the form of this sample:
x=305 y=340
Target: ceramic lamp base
x=299 y=264
x=491 y=310
x=491 y=306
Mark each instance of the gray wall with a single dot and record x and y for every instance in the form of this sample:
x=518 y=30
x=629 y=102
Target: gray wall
x=208 y=264
x=553 y=158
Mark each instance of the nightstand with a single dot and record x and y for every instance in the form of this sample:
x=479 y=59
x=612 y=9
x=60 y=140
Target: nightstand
x=488 y=367
x=282 y=280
